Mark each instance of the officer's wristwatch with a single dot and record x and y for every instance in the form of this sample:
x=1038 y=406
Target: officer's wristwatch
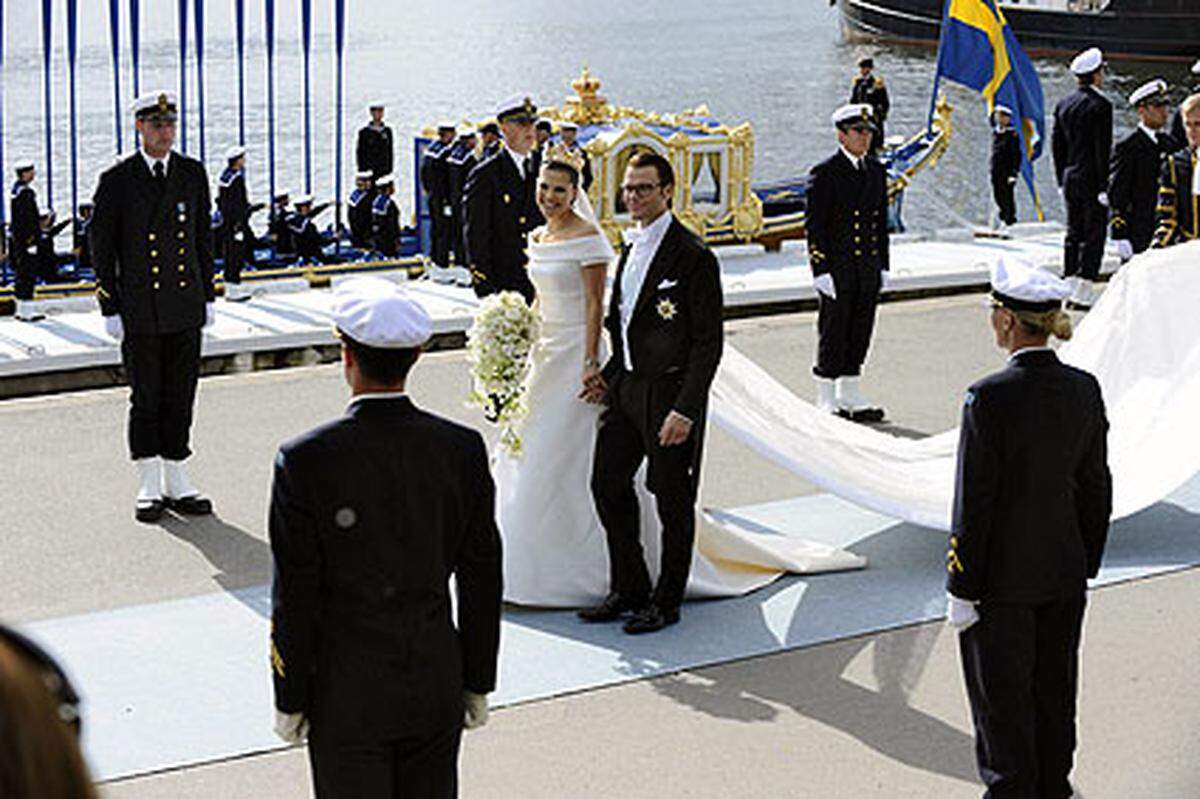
x=591 y=363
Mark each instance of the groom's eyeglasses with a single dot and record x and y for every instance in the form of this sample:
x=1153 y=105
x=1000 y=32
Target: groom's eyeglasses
x=639 y=189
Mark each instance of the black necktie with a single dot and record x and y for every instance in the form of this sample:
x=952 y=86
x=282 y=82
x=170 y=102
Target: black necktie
x=160 y=171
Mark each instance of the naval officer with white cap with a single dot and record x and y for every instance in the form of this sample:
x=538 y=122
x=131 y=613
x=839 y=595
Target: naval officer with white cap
x=1082 y=145
x=234 y=205
x=1133 y=174
x=151 y=240
x=371 y=514
x=1032 y=500
x=375 y=150
x=499 y=207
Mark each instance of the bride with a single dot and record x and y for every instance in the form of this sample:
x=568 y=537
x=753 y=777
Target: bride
x=555 y=553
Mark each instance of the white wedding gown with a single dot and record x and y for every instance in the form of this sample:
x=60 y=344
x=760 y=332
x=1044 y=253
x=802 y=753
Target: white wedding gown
x=554 y=547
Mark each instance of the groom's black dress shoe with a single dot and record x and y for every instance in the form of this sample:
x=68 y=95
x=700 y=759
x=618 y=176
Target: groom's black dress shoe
x=612 y=608
x=651 y=619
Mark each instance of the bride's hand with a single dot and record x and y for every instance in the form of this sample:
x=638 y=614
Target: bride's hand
x=594 y=387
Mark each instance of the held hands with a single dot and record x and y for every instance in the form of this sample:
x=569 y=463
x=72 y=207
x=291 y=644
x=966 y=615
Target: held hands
x=476 y=710
x=675 y=429
x=594 y=387
x=1124 y=249
x=292 y=728
x=824 y=284
x=114 y=327
x=960 y=614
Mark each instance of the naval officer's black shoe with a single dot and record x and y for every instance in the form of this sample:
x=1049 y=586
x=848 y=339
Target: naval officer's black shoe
x=149 y=510
x=194 y=505
x=651 y=619
x=612 y=608
x=863 y=415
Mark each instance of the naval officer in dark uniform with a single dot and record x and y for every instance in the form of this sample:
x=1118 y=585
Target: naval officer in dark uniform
x=1133 y=173
x=152 y=250
x=500 y=208
x=460 y=161
x=848 y=252
x=435 y=181
x=359 y=214
x=1005 y=164
x=868 y=88
x=371 y=515
x=24 y=227
x=385 y=218
x=489 y=140
x=375 y=150
x=234 y=206
x=1178 y=211
x=1082 y=146
x=1032 y=501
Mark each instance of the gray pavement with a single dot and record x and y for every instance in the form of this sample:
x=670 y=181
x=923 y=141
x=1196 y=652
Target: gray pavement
x=881 y=716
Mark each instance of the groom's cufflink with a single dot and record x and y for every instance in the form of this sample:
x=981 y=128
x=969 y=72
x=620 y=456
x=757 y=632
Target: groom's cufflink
x=667 y=284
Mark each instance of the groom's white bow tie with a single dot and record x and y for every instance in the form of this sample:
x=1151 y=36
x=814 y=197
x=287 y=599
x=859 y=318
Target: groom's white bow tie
x=635 y=235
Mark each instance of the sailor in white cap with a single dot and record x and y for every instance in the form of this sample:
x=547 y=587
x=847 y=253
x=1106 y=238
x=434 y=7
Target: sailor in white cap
x=359 y=209
x=1005 y=164
x=1178 y=217
x=1082 y=144
x=569 y=134
x=385 y=218
x=152 y=252
x=79 y=235
x=371 y=515
x=500 y=206
x=1033 y=495
x=23 y=230
x=435 y=182
x=375 y=150
x=48 y=259
x=848 y=252
x=234 y=234
x=460 y=161
x=867 y=87
x=310 y=243
x=278 y=231
x=1133 y=174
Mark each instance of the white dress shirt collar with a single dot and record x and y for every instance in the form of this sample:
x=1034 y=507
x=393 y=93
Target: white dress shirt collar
x=151 y=160
x=375 y=395
x=1024 y=350
x=518 y=160
x=1150 y=132
x=854 y=162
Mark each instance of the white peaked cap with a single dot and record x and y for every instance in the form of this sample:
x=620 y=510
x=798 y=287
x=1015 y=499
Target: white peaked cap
x=521 y=104
x=154 y=99
x=46 y=210
x=302 y=199
x=364 y=174
x=379 y=313
x=1196 y=67
x=1089 y=60
x=383 y=180
x=1147 y=90
x=376 y=103
x=1002 y=109
x=236 y=151
x=852 y=112
x=1018 y=284
x=21 y=166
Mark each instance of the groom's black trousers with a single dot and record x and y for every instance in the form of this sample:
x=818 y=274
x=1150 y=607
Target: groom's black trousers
x=628 y=435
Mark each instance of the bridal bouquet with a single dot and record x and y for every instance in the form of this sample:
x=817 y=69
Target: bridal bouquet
x=499 y=350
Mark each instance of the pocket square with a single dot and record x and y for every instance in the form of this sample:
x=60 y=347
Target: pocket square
x=667 y=284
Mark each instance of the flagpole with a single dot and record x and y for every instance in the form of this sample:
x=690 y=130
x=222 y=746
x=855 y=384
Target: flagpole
x=269 y=31
x=72 y=41
x=306 y=44
x=3 y=205
x=239 y=21
x=47 y=108
x=199 y=13
x=114 y=35
x=135 y=47
x=183 y=17
x=339 y=24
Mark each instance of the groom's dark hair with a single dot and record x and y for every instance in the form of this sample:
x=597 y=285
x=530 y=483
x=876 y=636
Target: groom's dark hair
x=666 y=175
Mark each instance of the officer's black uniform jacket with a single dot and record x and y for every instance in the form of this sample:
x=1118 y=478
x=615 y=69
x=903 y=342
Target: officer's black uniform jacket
x=498 y=213
x=232 y=201
x=370 y=516
x=1133 y=187
x=360 y=203
x=1033 y=493
x=1178 y=210
x=1082 y=144
x=676 y=325
x=25 y=225
x=153 y=252
x=459 y=163
x=1006 y=155
x=870 y=90
x=374 y=150
x=385 y=224
x=846 y=221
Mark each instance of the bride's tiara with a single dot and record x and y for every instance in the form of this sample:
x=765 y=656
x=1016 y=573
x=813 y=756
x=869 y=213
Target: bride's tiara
x=559 y=153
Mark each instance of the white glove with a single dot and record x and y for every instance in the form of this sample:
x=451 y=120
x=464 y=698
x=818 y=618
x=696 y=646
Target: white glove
x=1102 y=198
x=210 y=314
x=960 y=614
x=447 y=211
x=885 y=279
x=291 y=727
x=1124 y=249
x=476 y=710
x=824 y=284
x=114 y=327
x=1012 y=180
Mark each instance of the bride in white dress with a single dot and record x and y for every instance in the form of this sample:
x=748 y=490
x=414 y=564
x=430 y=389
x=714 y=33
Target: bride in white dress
x=555 y=553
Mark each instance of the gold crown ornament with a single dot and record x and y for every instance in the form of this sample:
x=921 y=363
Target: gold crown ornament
x=562 y=154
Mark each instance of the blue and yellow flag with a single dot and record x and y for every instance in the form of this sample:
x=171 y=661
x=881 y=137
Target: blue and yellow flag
x=979 y=50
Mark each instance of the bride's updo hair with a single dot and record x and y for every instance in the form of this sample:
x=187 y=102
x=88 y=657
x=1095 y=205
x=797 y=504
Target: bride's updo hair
x=560 y=158
x=1055 y=323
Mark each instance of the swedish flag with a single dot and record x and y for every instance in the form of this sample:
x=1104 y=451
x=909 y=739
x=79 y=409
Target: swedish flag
x=980 y=51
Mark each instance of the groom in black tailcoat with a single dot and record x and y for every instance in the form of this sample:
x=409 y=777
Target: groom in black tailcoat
x=665 y=324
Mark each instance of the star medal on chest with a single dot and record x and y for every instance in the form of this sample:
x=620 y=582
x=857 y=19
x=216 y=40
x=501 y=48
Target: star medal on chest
x=181 y=208
x=666 y=309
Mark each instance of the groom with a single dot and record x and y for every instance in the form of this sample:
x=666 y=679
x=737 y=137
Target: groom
x=665 y=324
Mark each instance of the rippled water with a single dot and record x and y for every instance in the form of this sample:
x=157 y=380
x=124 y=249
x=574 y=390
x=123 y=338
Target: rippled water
x=781 y=64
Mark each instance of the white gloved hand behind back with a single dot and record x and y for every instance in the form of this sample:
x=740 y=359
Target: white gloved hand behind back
x=824 y=284
x=291 y=727
x=1124 y=249
x=960 y=613
x=476 y=707
x=114 y=327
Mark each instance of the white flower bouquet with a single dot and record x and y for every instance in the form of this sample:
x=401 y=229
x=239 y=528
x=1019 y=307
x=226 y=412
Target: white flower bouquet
x=499 y=349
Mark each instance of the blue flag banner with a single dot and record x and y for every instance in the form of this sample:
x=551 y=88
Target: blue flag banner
x=980 y=51
x=47 y=107
x=199 y=8
x=239 y=35
x=114 y=42
x=72 y=44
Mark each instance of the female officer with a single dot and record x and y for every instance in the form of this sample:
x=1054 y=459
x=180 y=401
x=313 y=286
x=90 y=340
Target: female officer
x=1032 y=501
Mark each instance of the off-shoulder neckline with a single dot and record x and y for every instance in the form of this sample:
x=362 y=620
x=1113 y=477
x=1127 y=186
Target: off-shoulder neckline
x=575 y=240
